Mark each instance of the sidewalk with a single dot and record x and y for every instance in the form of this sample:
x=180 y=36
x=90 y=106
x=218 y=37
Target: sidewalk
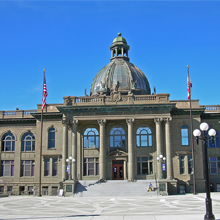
x=181 y=207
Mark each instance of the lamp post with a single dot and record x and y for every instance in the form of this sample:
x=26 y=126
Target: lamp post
x=69 y=161
x=161 y=159
x=202 y=136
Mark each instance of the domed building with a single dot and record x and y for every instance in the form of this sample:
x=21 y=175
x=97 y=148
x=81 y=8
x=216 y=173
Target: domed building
x=120 y=74
x=122 y=136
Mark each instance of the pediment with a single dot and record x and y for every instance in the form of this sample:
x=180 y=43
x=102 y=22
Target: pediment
x=118 y=152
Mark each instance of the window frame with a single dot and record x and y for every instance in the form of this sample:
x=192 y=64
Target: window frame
x=5 y=142
x=184 y=137
x=140 y=136
x=216 y=163
x=25 y=166
x=116 y=136
x=54 y=166
x=91 y=135
x=46 y=166
x=91 y=164
x=51 y=140
x=25 y=140
x=9 y=166
x=149 y=167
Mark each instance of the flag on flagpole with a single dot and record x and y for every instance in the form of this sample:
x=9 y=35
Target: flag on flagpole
x=189 y=85
x=44 y=93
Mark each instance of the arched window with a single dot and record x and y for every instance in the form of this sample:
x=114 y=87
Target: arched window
x=144 y=137
x=91 y=138
x=51 y=138
x=28 y=142
x=185 y=135
x=117 y=137
x=215 y=143
x=8 y=142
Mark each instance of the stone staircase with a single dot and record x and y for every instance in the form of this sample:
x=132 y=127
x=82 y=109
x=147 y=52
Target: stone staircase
x=114 y=188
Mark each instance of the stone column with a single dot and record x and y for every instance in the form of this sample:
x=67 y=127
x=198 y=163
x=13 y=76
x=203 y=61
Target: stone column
x=159 y=144
x=131 y=164
x=168 y=149
x=64 y=150
x=122 y=51
x=74 y=147
x=125 y=170
x=102 y=152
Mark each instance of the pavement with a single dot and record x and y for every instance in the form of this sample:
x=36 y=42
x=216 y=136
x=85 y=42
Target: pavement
x=181 y=207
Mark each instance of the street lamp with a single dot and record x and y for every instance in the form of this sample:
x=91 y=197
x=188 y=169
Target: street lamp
x=197 y=133
x=69 y=161
x=161 y=159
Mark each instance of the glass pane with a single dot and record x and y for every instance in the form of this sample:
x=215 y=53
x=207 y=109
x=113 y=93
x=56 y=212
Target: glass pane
x=138 y=140
x=184 y=132
x=90 y=172
x=91 y=165
x=139 y=168
x=91 y=141
x=111 y=141
x=97 y=141
x=97 y=168
x=85 y=142
x=150 y=140
x=185 y=141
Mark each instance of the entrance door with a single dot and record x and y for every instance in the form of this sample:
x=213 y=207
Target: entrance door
x=117 y=169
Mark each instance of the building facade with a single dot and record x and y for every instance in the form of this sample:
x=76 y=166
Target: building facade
x=116 y=133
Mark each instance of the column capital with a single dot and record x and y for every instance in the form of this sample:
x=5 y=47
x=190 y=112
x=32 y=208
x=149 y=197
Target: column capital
x=168 y=119
x=158 y=120
x=101 y=122
x=75 y=122
x=129 y=121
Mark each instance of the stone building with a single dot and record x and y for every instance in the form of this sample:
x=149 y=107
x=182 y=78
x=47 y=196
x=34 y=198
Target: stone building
x=116 y=133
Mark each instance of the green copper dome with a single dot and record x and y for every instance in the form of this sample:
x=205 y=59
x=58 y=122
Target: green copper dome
x=120 y=73
x=119 y=39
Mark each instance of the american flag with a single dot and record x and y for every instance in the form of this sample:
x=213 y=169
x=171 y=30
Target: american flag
x=44 y=93
x=189 y=85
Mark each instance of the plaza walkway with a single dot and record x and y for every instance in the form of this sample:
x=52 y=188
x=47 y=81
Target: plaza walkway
x=181 y=207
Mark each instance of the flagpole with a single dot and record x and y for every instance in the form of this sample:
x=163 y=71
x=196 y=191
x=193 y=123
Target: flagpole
x=191 y=126
x=41 y=138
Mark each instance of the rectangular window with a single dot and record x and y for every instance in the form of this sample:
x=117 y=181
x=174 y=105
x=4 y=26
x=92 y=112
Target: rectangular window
x=1 y=189
x=7 y=168
x=182 y=164
x=46 y=166
x=55 y=166
x=190 y=165
x=27 y=168
x=91 y=166
x=144 y=165
x=185 y=135
x=214 y=165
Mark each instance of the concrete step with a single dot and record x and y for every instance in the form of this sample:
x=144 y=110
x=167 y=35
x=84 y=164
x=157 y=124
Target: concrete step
x=114 y=188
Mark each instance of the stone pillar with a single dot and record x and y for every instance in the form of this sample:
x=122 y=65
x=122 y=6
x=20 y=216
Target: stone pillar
x=102 y=152
x=122 y=51
x=131 y=164
x=64 y=150
x=74 y=147
x=125 y=170
x=159 y=144
x=168 y=149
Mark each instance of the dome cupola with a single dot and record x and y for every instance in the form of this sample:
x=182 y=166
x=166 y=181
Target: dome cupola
x=120 y=74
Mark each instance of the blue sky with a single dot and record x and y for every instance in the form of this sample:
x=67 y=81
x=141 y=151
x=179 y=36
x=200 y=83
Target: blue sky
x=71 y=40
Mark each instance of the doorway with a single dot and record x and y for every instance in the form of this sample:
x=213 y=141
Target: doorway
x=117 y=169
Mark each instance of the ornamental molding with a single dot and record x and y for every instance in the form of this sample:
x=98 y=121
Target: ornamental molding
x=129 y=121
x=118 y=153
x=158 y=120
x=101 y=122
x=168 y=119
